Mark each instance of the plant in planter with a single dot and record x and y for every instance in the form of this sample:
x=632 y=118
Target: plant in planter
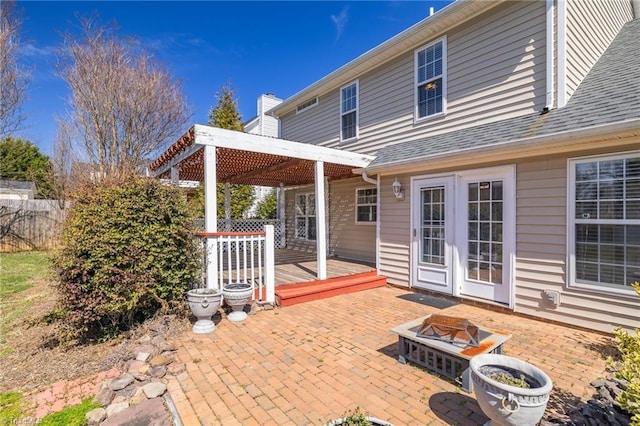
x=357 y=417
x=508 y=390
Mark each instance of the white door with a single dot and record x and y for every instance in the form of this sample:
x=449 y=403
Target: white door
x=485 y=237
x=432 y=240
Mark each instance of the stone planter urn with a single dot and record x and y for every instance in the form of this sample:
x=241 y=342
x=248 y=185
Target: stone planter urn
x=204 y=303
x=496 y=384
x=237 y=296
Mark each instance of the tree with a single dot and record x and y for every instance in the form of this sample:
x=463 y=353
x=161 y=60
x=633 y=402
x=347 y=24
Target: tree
x=124 y=105
x=23 y=161
x=14 y=78
x=226 y=116
x=268 y=206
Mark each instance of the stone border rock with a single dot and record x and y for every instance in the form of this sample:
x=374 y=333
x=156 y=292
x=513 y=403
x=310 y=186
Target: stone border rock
x=142 y=379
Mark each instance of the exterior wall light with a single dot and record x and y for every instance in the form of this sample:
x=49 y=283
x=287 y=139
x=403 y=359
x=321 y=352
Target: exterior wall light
x=397 y=189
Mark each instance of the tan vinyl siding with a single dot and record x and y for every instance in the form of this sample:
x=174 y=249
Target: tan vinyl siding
x=346 y=238
x=591 y=26
x=320 y=123
x=541 y=253
x=496 y=70
x=395 y=233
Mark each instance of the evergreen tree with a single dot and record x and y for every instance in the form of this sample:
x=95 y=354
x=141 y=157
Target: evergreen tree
x=23 y=161
x=226 y=116
x=267 y=207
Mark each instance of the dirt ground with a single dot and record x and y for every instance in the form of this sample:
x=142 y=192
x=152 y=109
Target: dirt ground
x=30 y=357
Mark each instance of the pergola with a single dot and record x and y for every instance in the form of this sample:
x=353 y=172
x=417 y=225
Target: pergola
x=212 y=155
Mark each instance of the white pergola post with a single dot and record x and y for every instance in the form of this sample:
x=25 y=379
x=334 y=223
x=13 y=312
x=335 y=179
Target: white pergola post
x=210 y=214
x=227 y=207
x=321 y=228
x=175 y=176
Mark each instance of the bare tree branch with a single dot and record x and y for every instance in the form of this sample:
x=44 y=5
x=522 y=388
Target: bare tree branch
x=125 y=106
x=14 y=78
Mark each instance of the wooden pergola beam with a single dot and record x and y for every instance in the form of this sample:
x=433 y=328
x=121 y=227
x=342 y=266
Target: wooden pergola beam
x=266 y=170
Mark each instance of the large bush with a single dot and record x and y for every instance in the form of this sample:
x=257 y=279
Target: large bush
x=128 y=253
x=629 y=369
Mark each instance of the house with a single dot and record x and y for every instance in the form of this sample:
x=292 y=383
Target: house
x=17 y=190
x=491 y=152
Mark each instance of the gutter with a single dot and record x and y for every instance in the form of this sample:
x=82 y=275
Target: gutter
x=542 y=142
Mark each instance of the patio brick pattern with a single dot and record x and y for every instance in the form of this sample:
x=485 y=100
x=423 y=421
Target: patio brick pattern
x=310 y=363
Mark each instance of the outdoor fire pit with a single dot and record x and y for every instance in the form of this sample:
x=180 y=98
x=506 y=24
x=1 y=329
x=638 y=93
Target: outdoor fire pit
x=444 y=345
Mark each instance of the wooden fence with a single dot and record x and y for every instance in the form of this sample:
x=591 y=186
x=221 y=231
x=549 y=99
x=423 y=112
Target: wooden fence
x=30 y=224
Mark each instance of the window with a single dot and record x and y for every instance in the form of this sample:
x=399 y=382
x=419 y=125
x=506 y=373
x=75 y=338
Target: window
x=349 y=112
x=604 y=222
x=306 y=216
x=307 y=105
x=366 y=201
x=431 y=79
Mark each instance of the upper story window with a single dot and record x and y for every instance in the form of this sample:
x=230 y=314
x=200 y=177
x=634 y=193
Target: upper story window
x=366 y=202
x=349 y=112
x=307 y=105
x=431 y=79
x=604 y=222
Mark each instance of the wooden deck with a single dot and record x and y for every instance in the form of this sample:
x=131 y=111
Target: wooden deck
x=294 y=266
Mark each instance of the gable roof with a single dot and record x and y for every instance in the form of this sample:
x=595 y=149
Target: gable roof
x=609 y=94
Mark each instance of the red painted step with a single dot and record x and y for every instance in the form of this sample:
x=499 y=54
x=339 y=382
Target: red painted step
x=290 y=294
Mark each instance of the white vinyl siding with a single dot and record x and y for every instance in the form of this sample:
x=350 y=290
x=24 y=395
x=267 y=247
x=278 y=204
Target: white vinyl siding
x=431 y=79
x=349 y=112
x=591 y=26
x=604 y=222
x=495 y=70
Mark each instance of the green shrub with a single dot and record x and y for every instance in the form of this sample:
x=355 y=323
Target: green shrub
x=629 y=369
x=128 y=252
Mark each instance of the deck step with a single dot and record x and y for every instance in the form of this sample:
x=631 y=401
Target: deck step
x=291 y=294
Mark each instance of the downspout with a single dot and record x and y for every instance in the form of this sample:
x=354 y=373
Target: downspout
x=375 y=182
x=562 y=53
x=636 y=8
x=550 y=57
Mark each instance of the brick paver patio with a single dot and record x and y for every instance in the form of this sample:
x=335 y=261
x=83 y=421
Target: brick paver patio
x=310 y=363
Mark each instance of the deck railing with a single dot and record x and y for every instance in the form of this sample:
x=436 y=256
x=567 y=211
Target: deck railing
x=241 y=257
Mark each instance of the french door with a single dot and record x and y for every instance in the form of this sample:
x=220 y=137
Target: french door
x=433 y=233
x=464 y=233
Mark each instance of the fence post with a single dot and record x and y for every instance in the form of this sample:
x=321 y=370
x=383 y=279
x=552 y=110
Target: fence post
x=269 y=264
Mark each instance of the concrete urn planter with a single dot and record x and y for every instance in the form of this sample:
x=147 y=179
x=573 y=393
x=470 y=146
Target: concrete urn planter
x=237 y=296
x=507 y=404
x=204 y=303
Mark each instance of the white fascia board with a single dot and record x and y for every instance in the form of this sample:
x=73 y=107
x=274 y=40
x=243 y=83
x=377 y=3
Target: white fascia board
x=521 y=148
x=205 y=135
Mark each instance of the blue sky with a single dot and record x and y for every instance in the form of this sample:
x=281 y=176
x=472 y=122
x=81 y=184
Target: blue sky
x=275 y=47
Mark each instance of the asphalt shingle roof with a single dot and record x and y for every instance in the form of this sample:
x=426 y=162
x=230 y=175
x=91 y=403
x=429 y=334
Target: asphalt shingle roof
x=610 y=93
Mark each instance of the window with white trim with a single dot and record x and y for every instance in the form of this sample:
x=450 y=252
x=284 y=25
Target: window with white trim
x=366 y=202
x=604 y=222
x=306 y=216
x=349 y=112
x=431 y=79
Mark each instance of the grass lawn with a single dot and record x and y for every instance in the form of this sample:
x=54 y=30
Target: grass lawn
x=20 y=270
